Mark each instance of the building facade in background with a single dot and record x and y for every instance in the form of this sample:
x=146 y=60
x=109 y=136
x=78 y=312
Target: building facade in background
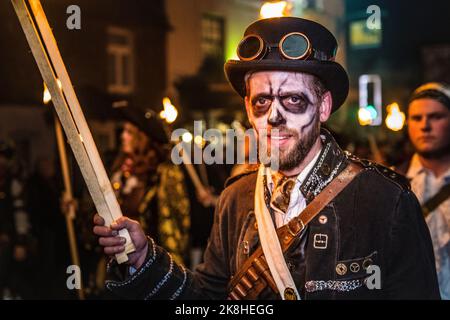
x=119 y=53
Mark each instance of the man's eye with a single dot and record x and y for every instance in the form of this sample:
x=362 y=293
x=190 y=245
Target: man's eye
x=437 y=116
x=262 y=101
x=295 y=103
x=294 y=99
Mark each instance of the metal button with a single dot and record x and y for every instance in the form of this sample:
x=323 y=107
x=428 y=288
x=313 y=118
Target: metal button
x=367 y=262
x=354 y=267
x=246 y=247
x=341 y=269
x=323 y=219
x=289 y=294
x=325 y=169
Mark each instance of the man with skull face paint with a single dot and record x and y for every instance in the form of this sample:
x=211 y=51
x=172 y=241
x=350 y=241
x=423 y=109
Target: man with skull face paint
x=290 y=83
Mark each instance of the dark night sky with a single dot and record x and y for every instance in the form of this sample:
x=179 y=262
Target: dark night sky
x=407 y=25
x=407 y=28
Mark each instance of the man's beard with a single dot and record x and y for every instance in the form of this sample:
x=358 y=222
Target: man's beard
x=290 y=159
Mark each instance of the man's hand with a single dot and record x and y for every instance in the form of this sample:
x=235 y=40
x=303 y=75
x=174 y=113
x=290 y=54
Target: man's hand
x=206 y=197
x=114 y=244
x=67 y=204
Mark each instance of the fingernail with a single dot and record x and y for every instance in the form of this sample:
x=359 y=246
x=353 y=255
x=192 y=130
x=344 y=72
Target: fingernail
x=114 y=233
x=114 y=224
x=123 y=240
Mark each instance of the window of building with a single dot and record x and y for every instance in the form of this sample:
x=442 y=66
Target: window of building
x=213 y=36
x=361 y=37
x=120 y=53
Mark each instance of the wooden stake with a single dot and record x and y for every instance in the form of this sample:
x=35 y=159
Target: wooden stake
x=191 y=170
x=70 y=214
x=51 y=66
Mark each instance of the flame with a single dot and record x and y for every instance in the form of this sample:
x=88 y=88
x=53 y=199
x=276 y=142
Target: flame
x=47 y=96
x=169 y=113
x=395 y=119
x=187 y=137
x=273 y=9
x=364 y=117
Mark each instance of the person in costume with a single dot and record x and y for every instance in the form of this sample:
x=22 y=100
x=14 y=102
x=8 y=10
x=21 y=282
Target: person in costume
x=345 y=228
x=148 y=186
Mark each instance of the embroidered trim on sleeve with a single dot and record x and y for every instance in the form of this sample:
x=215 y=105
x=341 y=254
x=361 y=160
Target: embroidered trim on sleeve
x=181 y=287
x=114 y=284
x=163 y=281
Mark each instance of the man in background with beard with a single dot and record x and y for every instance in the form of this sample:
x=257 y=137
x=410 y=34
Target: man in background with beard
x=288 y=233
x=429 y=169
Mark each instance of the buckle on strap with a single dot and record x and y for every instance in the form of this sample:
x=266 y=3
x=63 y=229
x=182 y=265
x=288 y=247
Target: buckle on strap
x=298 y=222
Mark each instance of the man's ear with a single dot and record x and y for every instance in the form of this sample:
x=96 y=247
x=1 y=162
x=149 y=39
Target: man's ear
x=326 y=106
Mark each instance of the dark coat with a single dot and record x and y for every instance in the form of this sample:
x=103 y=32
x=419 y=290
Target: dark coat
x=375 y=221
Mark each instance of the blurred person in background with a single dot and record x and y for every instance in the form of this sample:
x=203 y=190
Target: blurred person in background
x=429 y=168
x=17 y=244
x=43 y=198
x=149 y=187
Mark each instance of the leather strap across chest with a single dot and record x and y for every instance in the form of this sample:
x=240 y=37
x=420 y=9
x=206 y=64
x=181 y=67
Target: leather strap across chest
x=255 y=275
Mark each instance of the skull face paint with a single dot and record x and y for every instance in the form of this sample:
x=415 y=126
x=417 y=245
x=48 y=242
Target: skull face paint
x=285 y=107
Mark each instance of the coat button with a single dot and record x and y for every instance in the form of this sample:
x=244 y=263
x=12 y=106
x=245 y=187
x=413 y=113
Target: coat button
x=323 y=219
x=325 y=169
x=341 y=269
x=255 y=225
x=366 y=263
x=354 y=267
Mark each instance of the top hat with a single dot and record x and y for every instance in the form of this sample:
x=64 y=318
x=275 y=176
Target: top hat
x=318 y=59
x=145 y=120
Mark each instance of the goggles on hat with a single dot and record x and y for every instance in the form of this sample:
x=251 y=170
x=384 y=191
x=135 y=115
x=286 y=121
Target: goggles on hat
x=293 y=46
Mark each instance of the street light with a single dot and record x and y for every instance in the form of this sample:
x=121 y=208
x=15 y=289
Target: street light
x=274 y=9
x=395 y=119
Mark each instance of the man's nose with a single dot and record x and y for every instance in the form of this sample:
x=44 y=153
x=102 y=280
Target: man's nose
x=425 y=124
x=275 y=117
